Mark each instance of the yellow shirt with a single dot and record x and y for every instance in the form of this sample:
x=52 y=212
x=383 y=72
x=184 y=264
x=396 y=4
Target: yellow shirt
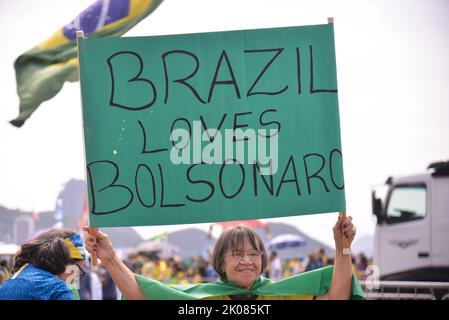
x=161 y=268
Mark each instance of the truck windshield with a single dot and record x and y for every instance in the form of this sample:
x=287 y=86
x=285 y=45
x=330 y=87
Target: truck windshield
x=406 y=203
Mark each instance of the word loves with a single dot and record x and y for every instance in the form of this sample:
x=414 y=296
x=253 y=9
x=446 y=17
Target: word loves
x=195 y=142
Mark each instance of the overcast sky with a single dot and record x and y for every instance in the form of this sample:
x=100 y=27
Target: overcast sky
x=393 y=83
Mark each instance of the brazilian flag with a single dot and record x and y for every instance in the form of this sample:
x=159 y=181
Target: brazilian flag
x=311 y=283
x=42 y=71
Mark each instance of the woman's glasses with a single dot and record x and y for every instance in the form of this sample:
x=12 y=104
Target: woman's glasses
x=238 y=255
x=81 y=273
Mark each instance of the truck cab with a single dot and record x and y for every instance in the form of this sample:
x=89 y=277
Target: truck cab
x=411 y=241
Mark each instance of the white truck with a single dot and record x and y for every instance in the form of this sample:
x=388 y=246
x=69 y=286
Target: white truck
x=412 y=232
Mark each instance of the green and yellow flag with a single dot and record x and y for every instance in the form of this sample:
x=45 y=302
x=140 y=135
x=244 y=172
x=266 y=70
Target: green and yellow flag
x=42 y=71
x=312 y=283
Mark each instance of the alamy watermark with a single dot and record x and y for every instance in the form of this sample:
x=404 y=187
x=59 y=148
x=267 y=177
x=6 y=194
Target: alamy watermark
x=261 y=144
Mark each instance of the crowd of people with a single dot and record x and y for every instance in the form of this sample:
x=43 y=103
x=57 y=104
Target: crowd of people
x=51 y=259
x=286 y=267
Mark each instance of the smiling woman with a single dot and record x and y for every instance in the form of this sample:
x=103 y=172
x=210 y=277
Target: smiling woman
x=239 y=256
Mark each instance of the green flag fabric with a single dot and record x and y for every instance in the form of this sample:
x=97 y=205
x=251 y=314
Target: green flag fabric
x=311 y=283
x=42 y=71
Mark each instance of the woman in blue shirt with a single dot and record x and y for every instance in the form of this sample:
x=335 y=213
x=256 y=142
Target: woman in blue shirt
x=45 y=266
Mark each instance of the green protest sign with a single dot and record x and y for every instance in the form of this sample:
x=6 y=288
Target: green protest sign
x=211 y=127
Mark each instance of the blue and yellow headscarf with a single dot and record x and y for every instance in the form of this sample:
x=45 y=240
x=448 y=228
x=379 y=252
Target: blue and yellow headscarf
x=76 y=248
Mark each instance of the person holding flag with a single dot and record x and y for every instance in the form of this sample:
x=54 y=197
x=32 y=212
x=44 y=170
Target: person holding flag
x=46 y=267
x=240 y=258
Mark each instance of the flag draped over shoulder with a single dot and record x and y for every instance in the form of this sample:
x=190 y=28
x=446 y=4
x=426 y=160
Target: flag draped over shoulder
x=42 y=71
x=312 y=283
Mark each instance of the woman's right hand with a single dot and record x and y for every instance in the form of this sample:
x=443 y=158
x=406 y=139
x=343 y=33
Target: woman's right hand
x=98 y=242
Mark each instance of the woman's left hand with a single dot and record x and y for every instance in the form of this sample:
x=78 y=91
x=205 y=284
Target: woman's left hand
x=344 y=228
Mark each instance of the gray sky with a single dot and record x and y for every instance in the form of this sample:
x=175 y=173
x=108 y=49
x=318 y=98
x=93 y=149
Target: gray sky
x=393 y=83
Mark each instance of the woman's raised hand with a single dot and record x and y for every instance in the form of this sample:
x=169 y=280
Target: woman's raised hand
x=98 y=242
